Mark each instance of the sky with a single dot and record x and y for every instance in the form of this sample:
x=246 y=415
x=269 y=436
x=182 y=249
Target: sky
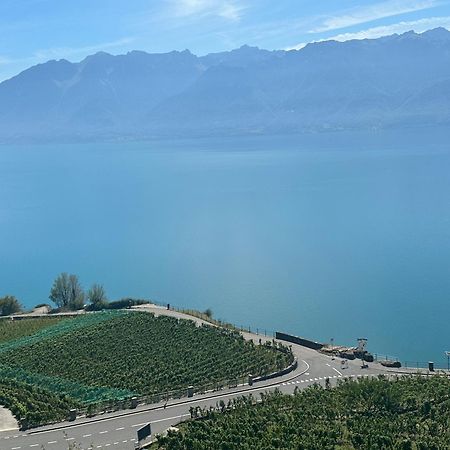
x=34 y=31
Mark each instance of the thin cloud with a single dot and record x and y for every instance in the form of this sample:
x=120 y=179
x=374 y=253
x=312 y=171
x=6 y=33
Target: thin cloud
x=366 y=14
x=4 y=60
x=64 y=52
x=419 y=26
x=230 y=9
x=44 y=55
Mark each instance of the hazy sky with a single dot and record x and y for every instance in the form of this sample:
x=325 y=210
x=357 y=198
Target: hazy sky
x=33 y=31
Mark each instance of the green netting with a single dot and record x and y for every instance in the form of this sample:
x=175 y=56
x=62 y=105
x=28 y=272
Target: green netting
x=62 y=327
x=60 y=386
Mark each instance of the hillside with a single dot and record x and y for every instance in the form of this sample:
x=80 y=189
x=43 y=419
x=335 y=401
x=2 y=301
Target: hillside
x=396 y=81
x=106 y=358
x=407 y=414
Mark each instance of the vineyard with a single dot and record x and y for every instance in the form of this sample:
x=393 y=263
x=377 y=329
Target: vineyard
x=14 y=329
x=116 y=355
x=34 y=406
x=407 y=414
x=48 y=330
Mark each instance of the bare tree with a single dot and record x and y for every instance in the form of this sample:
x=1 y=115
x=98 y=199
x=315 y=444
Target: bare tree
x=67 y=292
x=97 y=296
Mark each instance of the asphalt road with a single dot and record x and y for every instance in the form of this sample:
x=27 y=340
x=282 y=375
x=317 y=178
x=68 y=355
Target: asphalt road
x=119 y=430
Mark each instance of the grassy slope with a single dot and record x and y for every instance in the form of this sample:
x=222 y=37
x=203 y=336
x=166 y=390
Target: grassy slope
x=14 y=329
x=408 y=414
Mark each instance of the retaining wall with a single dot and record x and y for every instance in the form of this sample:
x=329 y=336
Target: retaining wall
x=298 y=340
x=280 y=373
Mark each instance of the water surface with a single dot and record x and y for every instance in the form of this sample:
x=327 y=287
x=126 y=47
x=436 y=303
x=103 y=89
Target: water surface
x=336 y=236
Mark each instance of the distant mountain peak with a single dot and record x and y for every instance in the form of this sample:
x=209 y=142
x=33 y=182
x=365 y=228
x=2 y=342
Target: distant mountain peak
x=437 y=34
x=99 y=56
x=247 y=48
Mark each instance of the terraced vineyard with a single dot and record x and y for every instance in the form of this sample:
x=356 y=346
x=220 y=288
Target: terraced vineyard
x=409 y=414
x=117 y=354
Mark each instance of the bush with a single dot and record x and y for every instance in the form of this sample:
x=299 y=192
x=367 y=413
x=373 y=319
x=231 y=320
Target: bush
x=125 y=303
x=9 y=305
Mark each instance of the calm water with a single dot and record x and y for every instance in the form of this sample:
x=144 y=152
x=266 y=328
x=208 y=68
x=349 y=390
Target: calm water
x=323 y=237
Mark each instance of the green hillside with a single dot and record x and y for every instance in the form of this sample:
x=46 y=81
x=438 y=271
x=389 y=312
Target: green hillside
x=408 y=414
x=112 y=356
x=14 y=329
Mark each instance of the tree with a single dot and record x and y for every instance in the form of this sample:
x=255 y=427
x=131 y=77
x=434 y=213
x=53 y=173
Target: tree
x=67 y=292
x=97 y=296
x=9 y=305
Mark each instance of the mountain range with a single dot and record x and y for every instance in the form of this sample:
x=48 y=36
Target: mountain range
x=394 y=81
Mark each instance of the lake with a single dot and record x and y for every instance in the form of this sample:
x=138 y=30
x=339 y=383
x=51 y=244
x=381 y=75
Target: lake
x=332 y=236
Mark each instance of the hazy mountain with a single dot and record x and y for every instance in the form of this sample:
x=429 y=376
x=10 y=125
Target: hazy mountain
x=399 y=80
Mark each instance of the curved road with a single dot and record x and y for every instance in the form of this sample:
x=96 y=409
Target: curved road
x=118 y=430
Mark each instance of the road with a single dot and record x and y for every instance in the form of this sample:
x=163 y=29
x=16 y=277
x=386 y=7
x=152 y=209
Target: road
x=119 y=430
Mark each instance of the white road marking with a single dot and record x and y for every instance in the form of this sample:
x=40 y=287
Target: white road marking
x=16 y=448
x=34 y=445
x=52 y=442
x=103 y=432
x=120 y=428
x=337 y=371
x=170 y=418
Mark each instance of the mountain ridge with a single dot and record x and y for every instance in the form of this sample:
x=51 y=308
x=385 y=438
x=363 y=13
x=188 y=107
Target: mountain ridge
x=398 y=80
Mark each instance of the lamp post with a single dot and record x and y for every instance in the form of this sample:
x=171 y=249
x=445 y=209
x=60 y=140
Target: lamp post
x=448 y=359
